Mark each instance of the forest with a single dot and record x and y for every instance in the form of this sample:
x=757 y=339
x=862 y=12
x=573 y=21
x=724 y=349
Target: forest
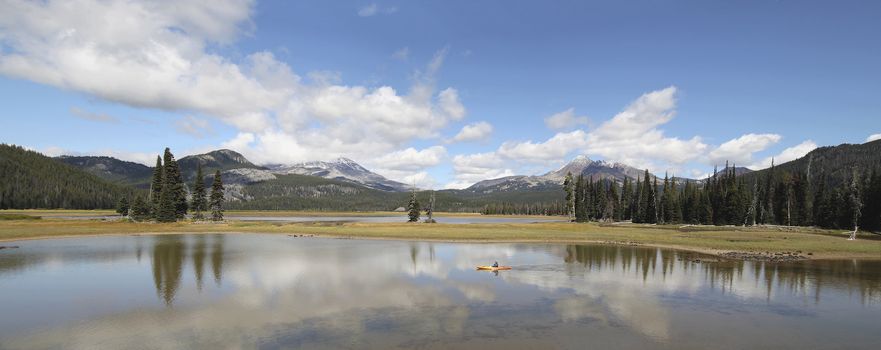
x=775 y=197
x=29 y=179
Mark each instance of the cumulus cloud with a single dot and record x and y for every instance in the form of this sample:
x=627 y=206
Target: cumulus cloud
x=741 y=149
x=476 y=167
x=791 y=153
x=157 y=57
x=873 y=137
x=634 y=137
x=474 y=132
x=554 y=149
x=565 y=119
x=95 y=117
x=411 y=158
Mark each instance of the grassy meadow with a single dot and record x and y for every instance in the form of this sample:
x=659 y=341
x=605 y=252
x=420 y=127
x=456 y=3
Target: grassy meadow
x=820 y=244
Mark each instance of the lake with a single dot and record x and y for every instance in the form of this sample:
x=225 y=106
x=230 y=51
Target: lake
x=276 y=291
x=465 y=219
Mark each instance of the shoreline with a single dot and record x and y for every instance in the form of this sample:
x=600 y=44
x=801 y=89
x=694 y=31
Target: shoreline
x=762 y=244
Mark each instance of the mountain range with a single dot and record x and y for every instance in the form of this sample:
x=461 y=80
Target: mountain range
x=581 y=165
x=343 y=184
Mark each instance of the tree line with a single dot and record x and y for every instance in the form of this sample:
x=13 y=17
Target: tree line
x=778 y=198
x=167 y=199
x=30 y=180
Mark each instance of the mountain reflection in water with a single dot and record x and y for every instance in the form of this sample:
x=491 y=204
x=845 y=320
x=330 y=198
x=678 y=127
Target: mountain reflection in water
x=279 y=291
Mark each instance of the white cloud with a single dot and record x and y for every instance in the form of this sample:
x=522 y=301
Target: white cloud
x=566 y=119
x=741 y=149
x=402 y=54
x=411 y=159
x=196 y=127
x=873 y=137
x=374 y=9
x=157 y=57
x=474 y=132
x=95 y=117
x=633 y=135
x=791 y=153
x=554 y=149
x=368 y=10
x=476 y=167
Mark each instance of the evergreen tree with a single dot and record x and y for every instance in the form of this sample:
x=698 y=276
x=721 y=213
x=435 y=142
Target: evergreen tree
x=580 y=203
x=165 y=212
x=174 y=180
x=651 y=209
x=639 y=203
x=156 y=187
x=122 y=206
x=617 y=202
x=199 y=201
x=140 y=210
x=627 y=200
x=823 y=211
x=216 y=200
x=413 y=208
x=871 y=213
x=569 y=187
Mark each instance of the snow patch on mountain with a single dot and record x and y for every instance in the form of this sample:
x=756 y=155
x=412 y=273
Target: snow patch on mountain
x=343 y=169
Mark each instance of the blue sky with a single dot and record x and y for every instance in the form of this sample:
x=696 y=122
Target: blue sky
x=670 y=85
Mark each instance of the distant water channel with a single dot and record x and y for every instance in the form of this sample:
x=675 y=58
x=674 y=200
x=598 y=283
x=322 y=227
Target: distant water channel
x=276 y=291
x=471 y=219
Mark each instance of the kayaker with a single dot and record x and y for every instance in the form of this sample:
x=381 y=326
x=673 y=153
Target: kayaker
x=496 y=264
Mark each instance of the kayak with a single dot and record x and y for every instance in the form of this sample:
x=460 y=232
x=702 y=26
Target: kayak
x=493 y=268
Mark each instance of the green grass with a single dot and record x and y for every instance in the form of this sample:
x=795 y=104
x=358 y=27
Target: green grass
x=4 y=216
x=822 y=244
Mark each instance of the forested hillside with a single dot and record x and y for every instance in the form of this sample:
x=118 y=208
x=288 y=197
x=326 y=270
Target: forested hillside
x=112 y=169
x=31 y=180
x=835 y=163
x=302 y=192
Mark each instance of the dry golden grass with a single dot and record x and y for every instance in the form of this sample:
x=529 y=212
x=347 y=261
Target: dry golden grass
x=822 y=244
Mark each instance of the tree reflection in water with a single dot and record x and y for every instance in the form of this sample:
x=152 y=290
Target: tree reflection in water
x=169 y=255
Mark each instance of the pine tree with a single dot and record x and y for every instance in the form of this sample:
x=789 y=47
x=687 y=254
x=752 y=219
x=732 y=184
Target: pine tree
x=569 y=187
x=580 y=203
x=651 y=209
x=626 y=200
x=122 y=207
x=199 y=202
x=639 y=203
x=871 y=214
x=174 y=181
x=413 y=208
x=140 y=210
x=216 y=200
x=823 y=212
x=156 y=187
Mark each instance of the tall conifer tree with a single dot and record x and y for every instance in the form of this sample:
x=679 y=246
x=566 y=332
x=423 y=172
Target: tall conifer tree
x=174 y=181
x=156 y=187
x=216 y=200
x=199 y=201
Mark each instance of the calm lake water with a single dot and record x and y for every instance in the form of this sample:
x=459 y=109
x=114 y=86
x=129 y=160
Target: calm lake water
x=376 y=219
x=276 y=291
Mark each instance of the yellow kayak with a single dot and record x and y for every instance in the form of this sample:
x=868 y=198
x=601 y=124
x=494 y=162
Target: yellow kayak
x=493 y=268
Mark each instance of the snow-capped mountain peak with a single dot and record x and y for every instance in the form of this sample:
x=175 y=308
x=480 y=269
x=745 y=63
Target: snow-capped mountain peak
x=343 y=169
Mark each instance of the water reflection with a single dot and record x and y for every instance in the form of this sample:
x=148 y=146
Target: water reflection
x=279 y=291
